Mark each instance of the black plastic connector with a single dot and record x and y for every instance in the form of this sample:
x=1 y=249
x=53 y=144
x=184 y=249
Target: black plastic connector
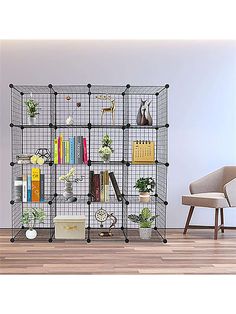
x=128 y=86
x=12 y=240
x=89 y=162
x=127 y=203
x=12 y=202
x=22 y=128
x=156 y=195
x=55 y=127
x=155 y=228
x=50 y=240
x=123 y=127
x=11 y=125
x=126 y=240
x=128 y=125
x=50 y=125
x=12 y=163
x=157 y=94
x=122 y=161
x=89 y=126
x=55 y=93
x=164 y=241
x=89 y=85
x=11 y=85
x=156 y=161
x=89 y=202
x=89 y=93
x=122 y=228
x=21 y=93
x=123 y=94
x=167 y=86
x=167 y=125
x=167 y=164
x=50 y=163
x=166 y=203
x=50 y=203
x=55 y=194
x=88 y=240
x=127 y=164
x=49 y=85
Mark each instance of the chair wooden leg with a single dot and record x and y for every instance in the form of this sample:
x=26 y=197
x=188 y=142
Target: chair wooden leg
x=222 y=220
x=216 y=223
x=188 y=219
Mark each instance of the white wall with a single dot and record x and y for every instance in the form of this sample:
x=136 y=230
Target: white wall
x=202 y=99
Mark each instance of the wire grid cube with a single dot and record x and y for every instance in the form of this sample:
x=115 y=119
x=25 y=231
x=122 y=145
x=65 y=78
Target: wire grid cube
x=95 y=111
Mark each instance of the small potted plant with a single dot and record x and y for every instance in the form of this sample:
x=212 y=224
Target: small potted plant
x=145 y=186
x=106 y=150
x=68 y=180
x=32 y=111
x=29 y=217
x=145 y=220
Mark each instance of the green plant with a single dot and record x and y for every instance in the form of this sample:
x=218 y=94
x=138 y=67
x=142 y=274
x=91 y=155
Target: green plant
x=106 y=150
x=144 y=219
x=31 y=215
x=145 y=184
x=31 y=107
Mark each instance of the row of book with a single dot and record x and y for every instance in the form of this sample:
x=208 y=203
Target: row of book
x=30 y=188
x=99 y=186
x=71 y=151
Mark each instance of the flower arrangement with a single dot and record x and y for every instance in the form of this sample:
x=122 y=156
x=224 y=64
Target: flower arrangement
x=145 y=184
x=32 y=107
x=106 y=150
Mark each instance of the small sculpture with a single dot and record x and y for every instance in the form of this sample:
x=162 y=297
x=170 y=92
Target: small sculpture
x=110 y=109
x=78 y=104
x=69 y=120
x=68 y=190
x=144 y=117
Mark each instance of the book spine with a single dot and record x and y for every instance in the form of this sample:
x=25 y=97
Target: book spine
x=59 y=149
x=64 y=152
x=91 y=184
x=55 y=151
x=80 y=150
x=115 y=186
x=85 y=151
x=42 y=182
x=61 y=142
x=106 y=187
x=29 y=189
x=67 y=152
x=96 y=180
x=76 y=149
x=72 y=150
x=24 y=188
x=35 y=184
x=102 y=191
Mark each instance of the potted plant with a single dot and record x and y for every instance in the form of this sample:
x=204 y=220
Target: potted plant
x=32 y=110
x=29 y=217
x=145 y=186
x=145 y=220
x=106 y=150
x=68 y=180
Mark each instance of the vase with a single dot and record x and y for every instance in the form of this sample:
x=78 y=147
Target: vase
x=145 y=233
x=144 y=197
x=148 y=115
x=68 y=190
x=31 y=234
x=32 y=120
x=144 y=121
x=139 y=115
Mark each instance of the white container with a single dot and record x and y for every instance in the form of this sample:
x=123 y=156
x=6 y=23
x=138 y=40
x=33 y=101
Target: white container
x=144 y=197
x=69 y=227
x=145 y=233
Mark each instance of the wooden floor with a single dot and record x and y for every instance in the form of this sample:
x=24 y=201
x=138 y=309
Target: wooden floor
x=195 y=253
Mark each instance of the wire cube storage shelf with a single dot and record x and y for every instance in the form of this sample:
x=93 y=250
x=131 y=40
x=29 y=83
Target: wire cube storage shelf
x=82 y=102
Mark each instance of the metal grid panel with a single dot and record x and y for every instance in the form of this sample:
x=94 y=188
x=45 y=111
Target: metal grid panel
x=71 y=89
x=111 y=90
x=145 y=90
x=162 y=107
x=34 y=89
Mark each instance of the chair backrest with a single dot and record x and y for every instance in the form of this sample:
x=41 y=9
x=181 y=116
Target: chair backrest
x=229 y=173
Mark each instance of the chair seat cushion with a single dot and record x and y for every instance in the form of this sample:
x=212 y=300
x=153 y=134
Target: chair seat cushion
x=212 y=200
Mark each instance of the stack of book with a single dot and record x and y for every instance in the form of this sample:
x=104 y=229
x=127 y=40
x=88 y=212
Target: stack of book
x=30 y=188
x=71 y=151
x=99 y=186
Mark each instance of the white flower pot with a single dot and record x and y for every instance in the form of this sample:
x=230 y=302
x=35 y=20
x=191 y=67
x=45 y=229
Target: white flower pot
x=145 y=233
x=32 y=120
x=144 y=197
x=31 y=234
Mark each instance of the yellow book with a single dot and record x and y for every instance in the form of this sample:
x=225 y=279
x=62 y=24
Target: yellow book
x=55 y=151
x=35 y=184
x=143 y=152
x=67 y=152
x=61 y=142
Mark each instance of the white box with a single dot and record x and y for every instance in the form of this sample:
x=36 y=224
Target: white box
x=69 y=227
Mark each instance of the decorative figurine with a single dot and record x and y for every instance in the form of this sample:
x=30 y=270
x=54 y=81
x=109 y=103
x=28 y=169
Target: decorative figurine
x=101 y=215
x=68 y=98
x=69 y=120
x=41 y=156
x=144 y=117
x=68 y=189
x=78 y=104
x=110 y=109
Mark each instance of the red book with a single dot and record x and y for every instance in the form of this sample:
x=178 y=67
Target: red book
x=96 y=184
x=59 y=150
x=85 y=157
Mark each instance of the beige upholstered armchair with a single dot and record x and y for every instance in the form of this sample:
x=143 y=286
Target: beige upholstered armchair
x=216 y=190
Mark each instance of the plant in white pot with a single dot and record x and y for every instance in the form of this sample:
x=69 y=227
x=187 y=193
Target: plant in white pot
x=32 y=110
x=145 y=220
x=145 y=186
x=106 y=150
x=29 y=218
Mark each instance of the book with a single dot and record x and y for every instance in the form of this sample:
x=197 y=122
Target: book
x=143 y=152
x=67 y=158
x=115 y=186
x=96 y=182
x=79 y=150
x=55 y=151
x=29 y=189
x=102 y=186
x=64 y=152
x=59 y=149
x=35 y=184
x=85 y=155
x=106 y=186
x=42 y=182
x=24 y=188
x=18 y=189
x=72 y=150
x=91 y=185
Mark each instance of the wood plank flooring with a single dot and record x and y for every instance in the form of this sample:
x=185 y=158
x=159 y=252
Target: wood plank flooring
x=195 y=253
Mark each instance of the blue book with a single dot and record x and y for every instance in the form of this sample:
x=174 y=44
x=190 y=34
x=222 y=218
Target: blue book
x=29 y=189
x=72 y=150
x=42 y=187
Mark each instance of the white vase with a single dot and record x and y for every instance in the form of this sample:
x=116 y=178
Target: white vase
x=68 y=190
x=31 y=234
x=144 y=197
x=145 y=233
x=32 y=120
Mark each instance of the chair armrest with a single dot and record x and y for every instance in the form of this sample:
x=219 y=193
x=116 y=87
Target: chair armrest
x=230 y=192
x=209 y=183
